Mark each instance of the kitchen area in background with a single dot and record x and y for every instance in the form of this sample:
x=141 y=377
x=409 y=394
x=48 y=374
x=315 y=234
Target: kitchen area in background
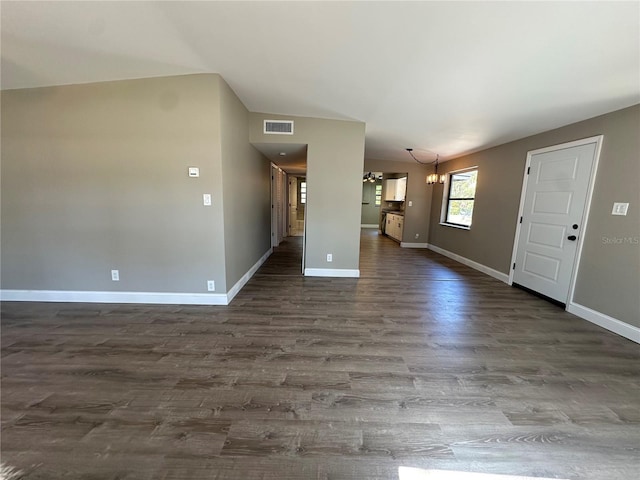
x=383 y=203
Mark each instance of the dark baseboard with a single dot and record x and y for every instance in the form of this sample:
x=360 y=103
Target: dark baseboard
x=540 y=295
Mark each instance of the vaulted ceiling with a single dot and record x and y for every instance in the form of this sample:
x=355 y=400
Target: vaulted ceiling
x=441 y=77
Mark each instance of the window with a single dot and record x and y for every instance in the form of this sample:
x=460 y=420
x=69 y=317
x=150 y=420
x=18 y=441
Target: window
x=303 y=192
x=378 y=195
x=461 y=197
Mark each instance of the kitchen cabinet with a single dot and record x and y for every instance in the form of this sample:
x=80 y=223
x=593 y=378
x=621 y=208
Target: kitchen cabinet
x=395 y=189
x=394 y=226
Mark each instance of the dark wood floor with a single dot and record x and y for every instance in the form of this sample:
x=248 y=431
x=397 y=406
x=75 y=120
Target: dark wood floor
x=422 y=362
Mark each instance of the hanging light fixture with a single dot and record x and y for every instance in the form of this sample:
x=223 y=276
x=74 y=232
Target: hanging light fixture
x=371 y=177
x=432 y=178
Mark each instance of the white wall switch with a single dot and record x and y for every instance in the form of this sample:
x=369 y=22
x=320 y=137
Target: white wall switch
x=211 y=285
x=194 y=172
x=206 y=199
x=620 y=208
x=329 y=257
x=115 y=275
x=410 y=203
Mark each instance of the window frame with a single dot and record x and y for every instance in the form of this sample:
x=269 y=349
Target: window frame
x=446 y=198
x=303 y=192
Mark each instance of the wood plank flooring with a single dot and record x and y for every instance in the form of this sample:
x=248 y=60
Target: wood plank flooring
x=422 y=362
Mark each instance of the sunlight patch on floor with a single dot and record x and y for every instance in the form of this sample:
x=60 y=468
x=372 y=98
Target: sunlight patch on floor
x=409 y=473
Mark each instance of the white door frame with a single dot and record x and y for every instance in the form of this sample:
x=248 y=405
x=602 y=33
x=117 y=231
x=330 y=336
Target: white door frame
x=279 y=209
x=274 y=224
x=290 y=201
x=304 y=231
x=585 y=216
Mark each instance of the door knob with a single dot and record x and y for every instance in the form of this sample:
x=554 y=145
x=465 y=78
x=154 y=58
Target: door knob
x=572 y=238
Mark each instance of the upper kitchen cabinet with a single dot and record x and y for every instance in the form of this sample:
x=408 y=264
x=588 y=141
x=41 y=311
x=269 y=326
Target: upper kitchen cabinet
x=395 y=189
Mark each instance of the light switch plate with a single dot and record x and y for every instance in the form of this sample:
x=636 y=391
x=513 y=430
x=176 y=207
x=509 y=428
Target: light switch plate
x=206 y=199
x=194 y=172
x=620 y=208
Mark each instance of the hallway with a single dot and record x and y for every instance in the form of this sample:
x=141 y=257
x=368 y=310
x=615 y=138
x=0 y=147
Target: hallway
x=422 y=362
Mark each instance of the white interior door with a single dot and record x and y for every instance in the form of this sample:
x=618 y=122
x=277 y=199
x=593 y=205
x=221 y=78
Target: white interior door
x=278 y=205
x=293 y=206
x=274 y=209
x=556 y=194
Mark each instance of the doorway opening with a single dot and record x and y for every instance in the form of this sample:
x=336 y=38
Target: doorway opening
x=297 y=204
x=383 y=203
x=288 y=205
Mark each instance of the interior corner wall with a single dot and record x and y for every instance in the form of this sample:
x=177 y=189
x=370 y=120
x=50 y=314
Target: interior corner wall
x=335 y=162
x=94 y=178
x=416 y=217
x=608 y=278
x=246 y=190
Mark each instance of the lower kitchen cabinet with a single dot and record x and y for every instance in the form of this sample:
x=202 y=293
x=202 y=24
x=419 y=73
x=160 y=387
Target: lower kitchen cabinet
x=394 y=226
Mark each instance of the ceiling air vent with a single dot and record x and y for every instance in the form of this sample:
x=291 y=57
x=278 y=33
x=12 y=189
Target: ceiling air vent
x=278 y=127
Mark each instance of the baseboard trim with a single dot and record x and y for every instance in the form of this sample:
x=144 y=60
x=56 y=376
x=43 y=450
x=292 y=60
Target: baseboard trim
x=247 y=276
x=503 y=277
x=369 y=225
x=160 y=298
x=414 y=245
x=113 y=297
x=331 y=272
x=605 y=321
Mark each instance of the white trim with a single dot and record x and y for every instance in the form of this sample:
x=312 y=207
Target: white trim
x=247 y=276
x=414 y=245
x=113 y=297
x=585 y=214
x=444 y=205
x=369 y=225
x=133 y=297
x=503 y=277
x=453 y=225
x=563 y=146
x=523 y=193
x=331 y=272
x=605 y=321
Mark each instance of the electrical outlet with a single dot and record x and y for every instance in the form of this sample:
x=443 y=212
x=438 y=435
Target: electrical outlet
x=329 y=257
x=417 y=235
x=115 y=275
x=211 y=285
x=206 y=199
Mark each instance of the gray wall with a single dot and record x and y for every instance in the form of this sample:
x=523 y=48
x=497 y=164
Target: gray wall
x=609 y=272
x=335 y=157
x=246 y=190
x=94 y=178
x=416 y=217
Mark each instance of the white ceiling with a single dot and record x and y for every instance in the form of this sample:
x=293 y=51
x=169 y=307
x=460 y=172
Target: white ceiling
x=441 y=77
